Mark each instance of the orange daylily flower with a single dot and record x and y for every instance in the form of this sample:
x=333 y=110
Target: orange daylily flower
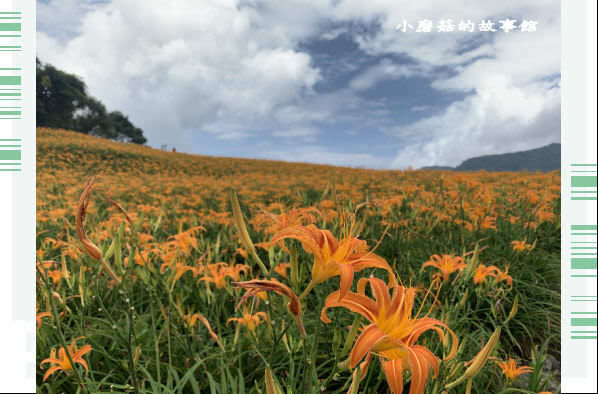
x=180 y=270
x=235 y=271
x=520 y=246
x=500 y=276
x=242 y=252
x=218 y=273
x=38 y=317
x=392 y=333
x=488 y=223
x=281 y=269
x=62 y=363
x=56 y=276
x=186 y=240
x=543 y=216
x=333 y=257
x=447 y=264
x=481 y=272
x=248 y=320
x=296 y=217
x=510 y=370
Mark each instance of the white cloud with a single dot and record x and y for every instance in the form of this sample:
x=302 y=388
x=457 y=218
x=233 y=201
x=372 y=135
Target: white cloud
x=499 y=118
x=186 y=65
x=301 y=133
x=419 y=108
x=385 y=70
x=511 y=78
x=234 y=69
x=323 y=155
x=62 y=18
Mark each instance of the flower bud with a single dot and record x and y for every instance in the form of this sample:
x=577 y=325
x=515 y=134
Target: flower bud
x=351 y=337
x=271 y=257
x=455 y=370
x=92 y=250
x=464 y=298
x=513 y=309
x=242 y=230
x=356 y=380
x=270 y=385
x=336 y=339
x=479 y=360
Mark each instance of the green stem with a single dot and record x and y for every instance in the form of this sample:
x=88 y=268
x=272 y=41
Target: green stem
x=261 y=264
x=334 y=371
x=310 y=286
x=317 y=333
x=305 y=365
x=156 y=347
x=109 y=271
x=276 y=341
x=130 y=353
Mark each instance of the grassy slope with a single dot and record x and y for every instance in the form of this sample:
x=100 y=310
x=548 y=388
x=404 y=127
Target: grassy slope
x=190 y=190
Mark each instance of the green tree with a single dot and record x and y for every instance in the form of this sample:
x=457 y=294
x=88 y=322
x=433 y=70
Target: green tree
x=58 y=95
x=92 y=118
x=62 y=102
x=124 y=130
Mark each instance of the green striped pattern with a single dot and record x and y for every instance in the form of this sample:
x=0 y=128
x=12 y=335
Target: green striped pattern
x=10 y=155
x=10 y=48
x=583 y=250
x=10 y=24
x=583 y=182
x=10 y=90
x=10 y=112
x=10 y=27
x=10 y=93
x=584 y=324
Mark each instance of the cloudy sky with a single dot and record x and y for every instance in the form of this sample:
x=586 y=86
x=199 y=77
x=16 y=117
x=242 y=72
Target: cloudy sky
x=324 y=81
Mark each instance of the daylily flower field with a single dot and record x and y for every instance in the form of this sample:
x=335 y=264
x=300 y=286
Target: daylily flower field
x=162 y=272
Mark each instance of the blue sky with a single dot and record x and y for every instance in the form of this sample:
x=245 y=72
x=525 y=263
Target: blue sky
x=317 y=81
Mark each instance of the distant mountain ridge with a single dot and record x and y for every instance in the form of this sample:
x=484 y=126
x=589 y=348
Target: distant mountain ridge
x=545 y=159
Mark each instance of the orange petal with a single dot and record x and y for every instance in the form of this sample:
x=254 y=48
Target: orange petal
x=52 y=370
x=82 y=362
x=357 y=303
x=425 y=354
x=419 y=372
x=346 y=279
x=301 y=234
x=381 y=293
x=85 y=349
x=50 y=360
x=393 y=370
x=363 y=260
x=368 y=338
x=431 y=263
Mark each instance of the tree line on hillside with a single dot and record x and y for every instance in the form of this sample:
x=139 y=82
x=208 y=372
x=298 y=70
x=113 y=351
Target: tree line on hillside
x=62 y=102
